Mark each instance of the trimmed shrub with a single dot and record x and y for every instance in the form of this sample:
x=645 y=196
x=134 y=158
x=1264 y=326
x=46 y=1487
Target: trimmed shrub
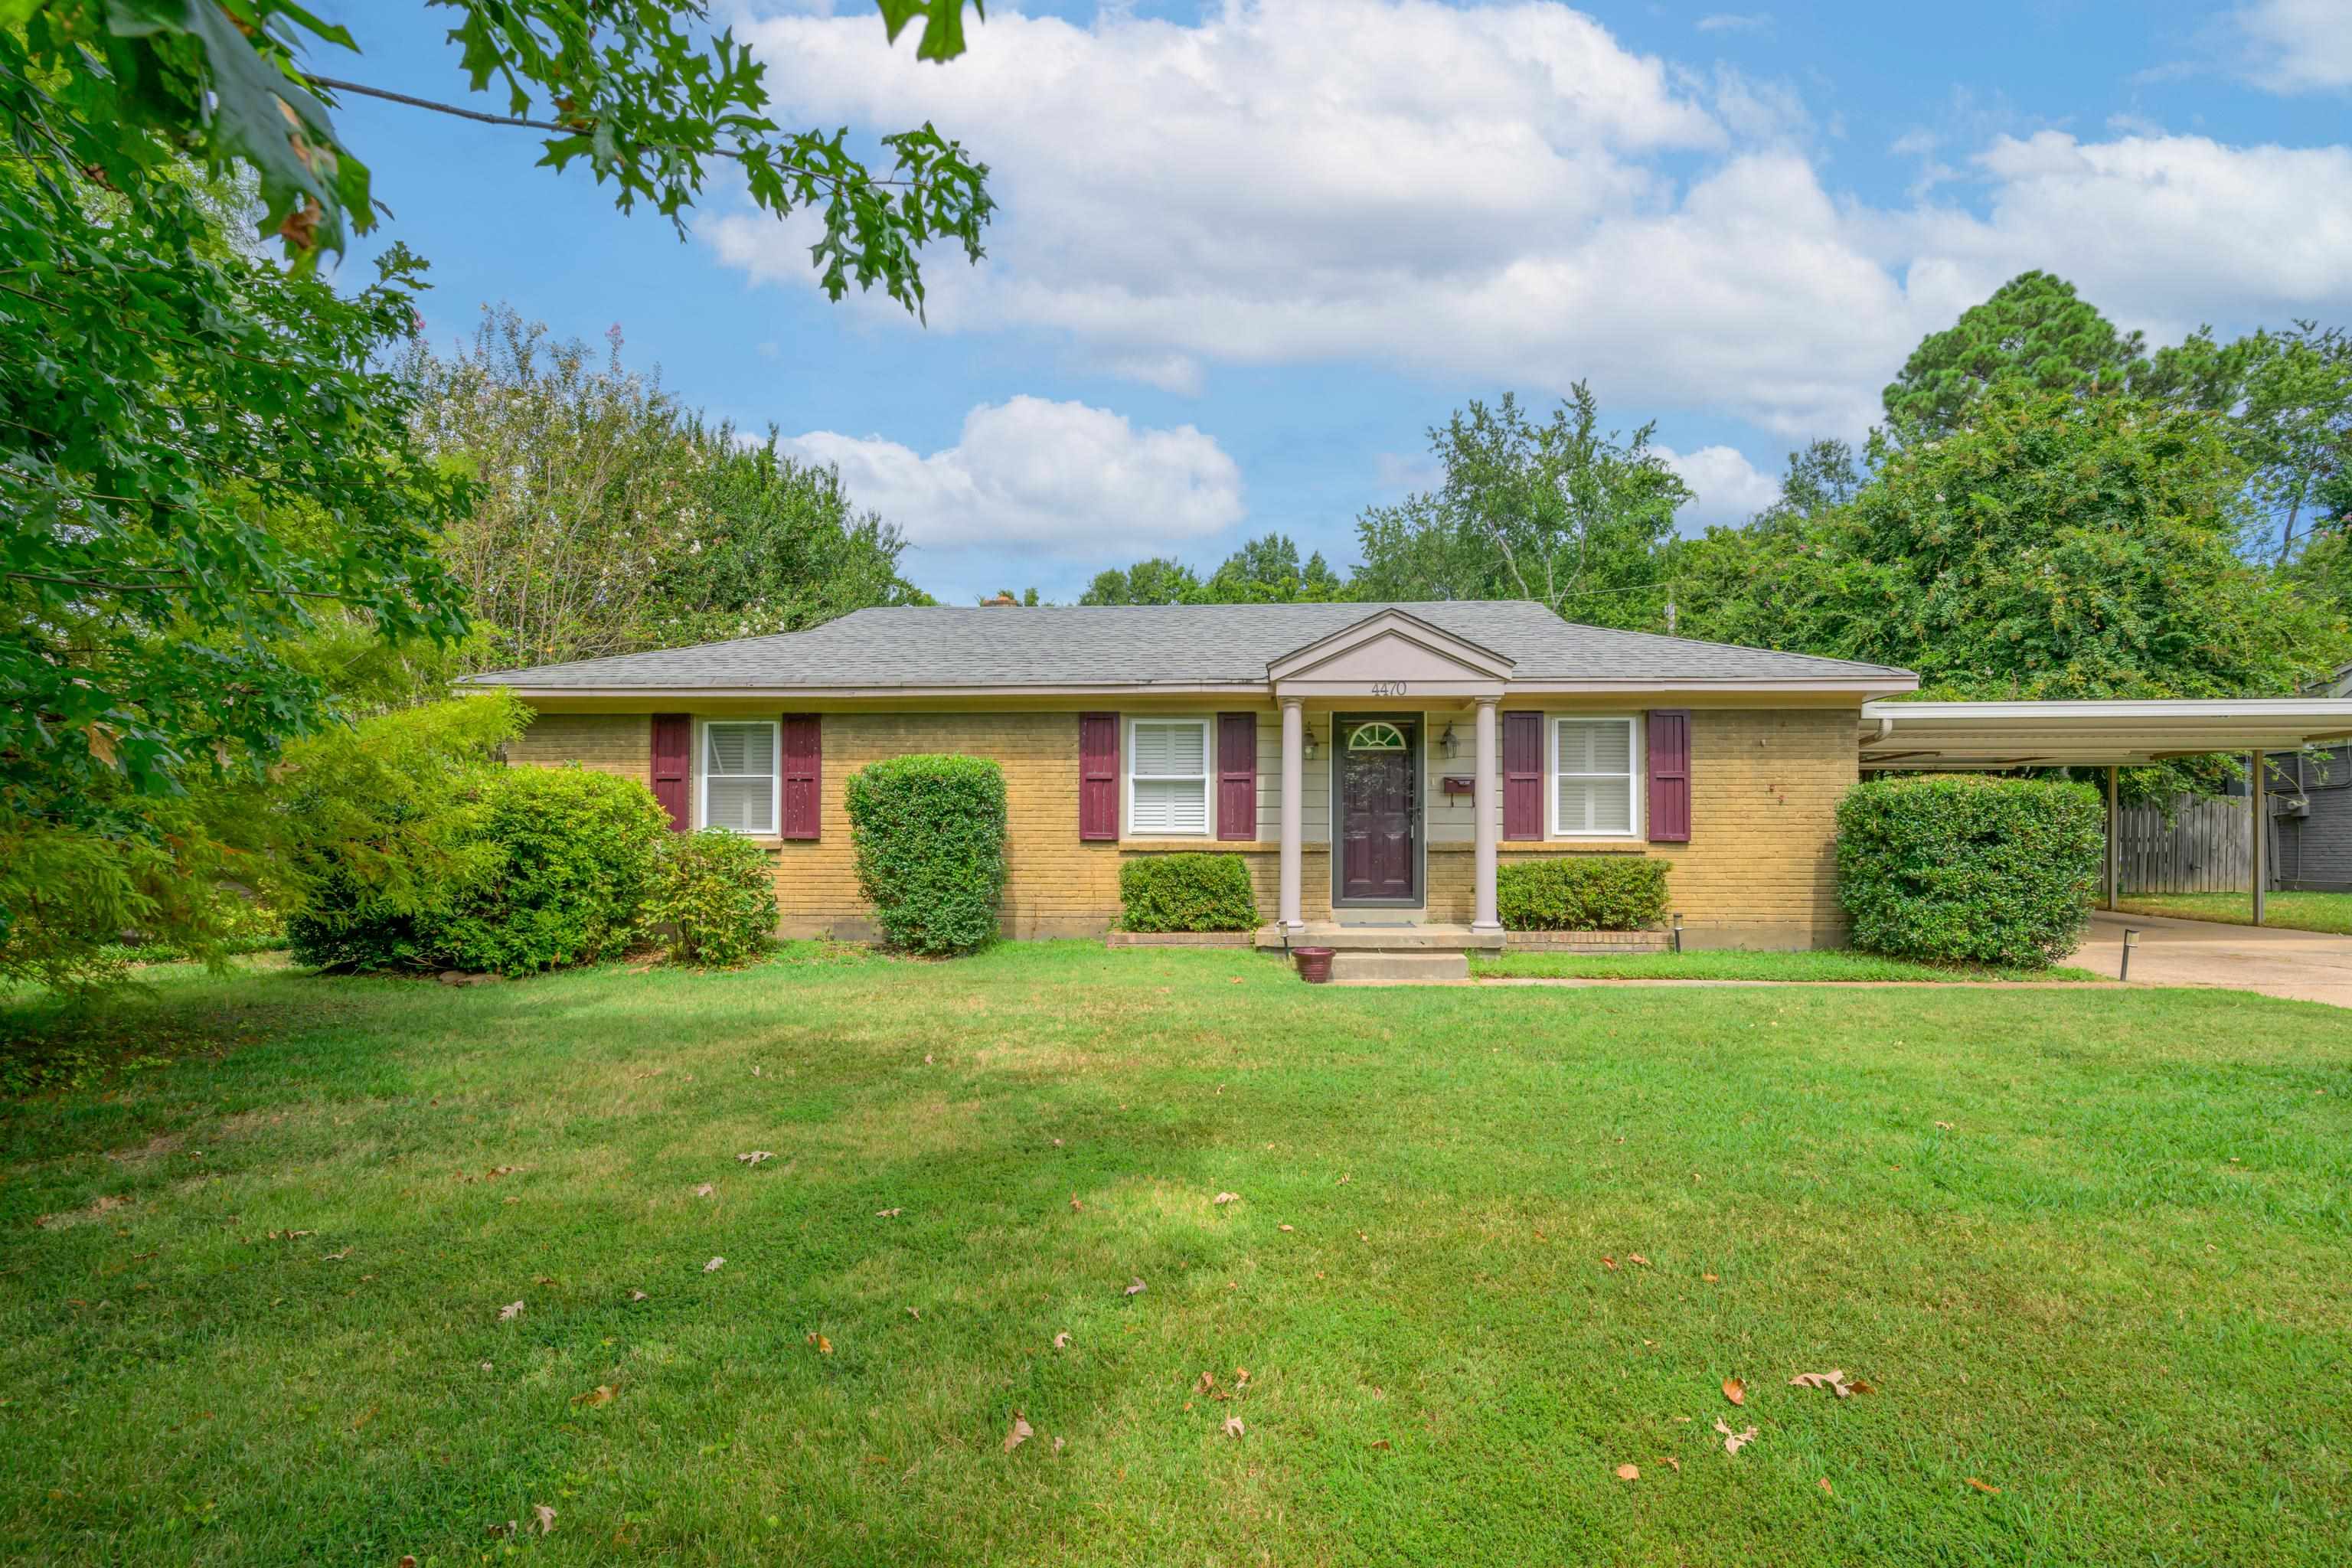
x=929 y=834
x=1187 y=892
x=1961 y=869
x=714 y=898
x=1604 y=892
x=576 y=853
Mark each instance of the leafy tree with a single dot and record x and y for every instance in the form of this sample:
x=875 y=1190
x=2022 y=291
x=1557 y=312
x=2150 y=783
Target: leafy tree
x=1823 y=476
x=639 y=88
x=2035 y=329
x=1158 y=581
x=2289 y=398
x=1561 y=512
x=1268 y=571
x=2055 y=546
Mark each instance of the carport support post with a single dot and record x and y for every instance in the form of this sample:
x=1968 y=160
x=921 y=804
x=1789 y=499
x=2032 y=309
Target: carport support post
x=2115 y=843
x=2254 y=770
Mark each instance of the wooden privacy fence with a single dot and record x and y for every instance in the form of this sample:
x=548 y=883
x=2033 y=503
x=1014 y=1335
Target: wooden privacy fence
x=2207 y=847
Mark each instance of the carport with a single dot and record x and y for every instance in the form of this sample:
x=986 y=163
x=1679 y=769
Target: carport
x=1994 y=736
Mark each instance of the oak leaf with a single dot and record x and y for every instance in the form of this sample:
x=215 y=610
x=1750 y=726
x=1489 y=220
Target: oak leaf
x=511 y=1311
x=1734 y=1441
x=705 y=1190
x=600 y=1395
x=545 y=1518
x=755 y=1156
x=713 y=1265
x=1234 y=1427
x=1022 y=1432
x=1735 y=1390
x=1061 y=1341
x=1135 y=1287
x=1223 y=1198
x=1629 y=1472
x=823 y=1346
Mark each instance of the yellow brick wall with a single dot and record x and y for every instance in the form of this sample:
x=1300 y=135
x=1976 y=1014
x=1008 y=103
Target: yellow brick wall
x=1759 y=871
x=608 y=742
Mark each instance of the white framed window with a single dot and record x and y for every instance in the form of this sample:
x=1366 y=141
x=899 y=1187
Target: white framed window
x=739 y=778
x=1594 y=788
x=1168 y=788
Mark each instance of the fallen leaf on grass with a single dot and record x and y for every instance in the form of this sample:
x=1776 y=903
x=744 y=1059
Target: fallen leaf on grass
x=1636 y=1258
x=888 y=1214
x=1061 y=1341
x=712 y=1266
x=638 y=1296
x=544 y=1517
x=1241 y=1377
x=1835 y=1381
x=1945 y=1125
x=364 y=1416
x=1671 y=1462
x=1234 y=1427
x=1075 y=1205
x=1734 y=1441
x=1712 y=1278
x=916 y=1313
x=1208 y=1383
x=1629 y=1472
x=823 y=1346
x=1984 y=1487
x=1223 y=1198
x=600 y=1395
x=1609 y=1263
x=1286 y=1228
x=1827 y=1487
x=755 y=1156
x=336 y=1256
x=511 y=1311
x=1135 y=1287
x=1022 y=1432
x=705 y=1190
x=1735 y=1390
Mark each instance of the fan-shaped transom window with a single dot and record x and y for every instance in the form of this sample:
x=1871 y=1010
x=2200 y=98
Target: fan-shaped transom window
x=1376 y=737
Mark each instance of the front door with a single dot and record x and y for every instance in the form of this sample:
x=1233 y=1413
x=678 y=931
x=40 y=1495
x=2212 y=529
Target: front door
x=1375 y=782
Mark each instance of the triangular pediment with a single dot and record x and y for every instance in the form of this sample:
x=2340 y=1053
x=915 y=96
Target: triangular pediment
x=1390 y=645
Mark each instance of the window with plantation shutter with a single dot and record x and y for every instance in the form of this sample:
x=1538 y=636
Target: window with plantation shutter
x=1592 y=778
x=1168 y=776
x=739 y=775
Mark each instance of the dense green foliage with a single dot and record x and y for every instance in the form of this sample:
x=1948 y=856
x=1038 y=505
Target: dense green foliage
x=1264 y=571
x=930 y=837
x=2034 y=331
x=1564 y=512
x=1582 y=892
x=714 y=898
x=574 y=858
x=1966 y=869
x=405 y=844
x=1186 y=891
x=607 y=518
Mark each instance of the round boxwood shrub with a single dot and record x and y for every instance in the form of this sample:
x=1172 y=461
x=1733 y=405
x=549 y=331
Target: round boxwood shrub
x=1187 y=892
x=929 y=834
x=575 y=854
x=1956 y=869
x=714 y=898
x=1600 y=892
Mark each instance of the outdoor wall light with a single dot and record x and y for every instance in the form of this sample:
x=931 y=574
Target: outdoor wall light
x=1310 y=743
x=1445 y=742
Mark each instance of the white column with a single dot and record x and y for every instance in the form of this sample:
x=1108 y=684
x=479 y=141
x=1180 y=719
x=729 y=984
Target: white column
x=1485 y=801
x=1294 y=808
x=2256 y=782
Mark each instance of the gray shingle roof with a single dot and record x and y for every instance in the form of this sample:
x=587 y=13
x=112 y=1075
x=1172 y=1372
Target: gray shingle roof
x=1155 y=645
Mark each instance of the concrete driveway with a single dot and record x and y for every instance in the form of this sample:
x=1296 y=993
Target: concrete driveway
x=2303 y=965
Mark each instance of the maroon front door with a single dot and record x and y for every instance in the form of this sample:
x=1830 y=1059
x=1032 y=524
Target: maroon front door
x=1379 y=810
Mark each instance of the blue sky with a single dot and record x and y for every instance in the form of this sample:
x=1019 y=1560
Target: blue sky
x=1248 y=253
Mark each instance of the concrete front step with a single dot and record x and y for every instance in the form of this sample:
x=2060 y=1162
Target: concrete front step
x=1366 y=965
x=1383 y=939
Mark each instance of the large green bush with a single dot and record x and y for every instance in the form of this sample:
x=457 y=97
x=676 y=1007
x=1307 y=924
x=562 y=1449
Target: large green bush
x=929 y=834
x=714 y=898
x=404 y=843
x=1962 y=869
x=1187 y=892
x=1606 y=892
x=576 y=852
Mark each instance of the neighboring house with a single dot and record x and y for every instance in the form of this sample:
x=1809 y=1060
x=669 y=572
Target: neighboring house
x=1272 y=732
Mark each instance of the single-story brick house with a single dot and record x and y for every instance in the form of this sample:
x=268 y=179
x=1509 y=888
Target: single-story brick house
x=1430 y=743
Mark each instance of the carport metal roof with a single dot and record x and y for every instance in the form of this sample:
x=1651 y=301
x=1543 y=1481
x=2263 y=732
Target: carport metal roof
x=1982 y=736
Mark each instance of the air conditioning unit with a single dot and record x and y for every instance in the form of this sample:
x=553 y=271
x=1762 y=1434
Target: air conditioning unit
x=2290 y=805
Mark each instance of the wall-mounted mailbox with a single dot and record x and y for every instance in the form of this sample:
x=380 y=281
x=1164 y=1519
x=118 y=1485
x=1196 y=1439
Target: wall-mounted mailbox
x=1459 y=784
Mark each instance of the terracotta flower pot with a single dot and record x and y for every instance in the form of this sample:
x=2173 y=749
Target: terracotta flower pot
x=1314 y=963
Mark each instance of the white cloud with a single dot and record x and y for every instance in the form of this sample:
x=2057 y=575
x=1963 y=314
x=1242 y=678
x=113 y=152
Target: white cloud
x=1395 y=471
x=2298 y=46
x=1736 y=22
x=1507 y=196
x=1729 y=488
x=1062 y=478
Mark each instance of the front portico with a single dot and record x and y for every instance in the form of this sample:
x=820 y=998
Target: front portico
x=1368 y=686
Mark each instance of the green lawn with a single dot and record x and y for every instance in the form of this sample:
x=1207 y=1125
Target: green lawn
x=268 y=1328
x=1716 y=964
x=2291 y=911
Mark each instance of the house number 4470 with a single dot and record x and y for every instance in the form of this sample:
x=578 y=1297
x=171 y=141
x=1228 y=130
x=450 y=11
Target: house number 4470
x=1388 y=688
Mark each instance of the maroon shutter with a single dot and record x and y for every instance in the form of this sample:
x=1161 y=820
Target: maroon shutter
x=1237 y=775
x=1669 y=750
x=804 y=773
x=1099 y=776
x=1523 y=770
x=673 y=759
